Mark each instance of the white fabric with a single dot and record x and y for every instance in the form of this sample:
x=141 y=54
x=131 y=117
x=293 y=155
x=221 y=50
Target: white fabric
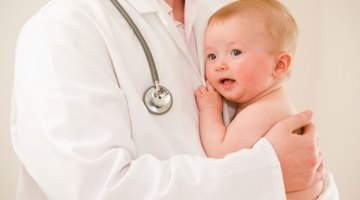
x=330 y=191
x=79 y=125
x=187 y=30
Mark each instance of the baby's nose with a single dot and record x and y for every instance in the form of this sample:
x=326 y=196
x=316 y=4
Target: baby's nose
x=221 y=66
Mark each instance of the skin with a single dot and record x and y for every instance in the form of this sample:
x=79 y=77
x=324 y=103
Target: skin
x=240 y=62
x=243 y=67
x=301 y=169
x=178 y=9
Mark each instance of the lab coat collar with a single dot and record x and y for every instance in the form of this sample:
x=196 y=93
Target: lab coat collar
x=189 y=17
x=191 y=8
x=143 y=6
x=151 y=6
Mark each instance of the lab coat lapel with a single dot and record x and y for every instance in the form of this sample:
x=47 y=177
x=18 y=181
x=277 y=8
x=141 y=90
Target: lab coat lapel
x=205 y=9
x=143 y=6
x=151 y=6
x=199 y=30
x=190 y=16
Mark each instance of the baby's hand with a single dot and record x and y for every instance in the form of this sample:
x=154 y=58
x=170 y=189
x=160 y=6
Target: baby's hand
x=207 y=97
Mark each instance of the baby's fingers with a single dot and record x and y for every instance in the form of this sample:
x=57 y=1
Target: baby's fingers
x=200 y=91
x=209 y=87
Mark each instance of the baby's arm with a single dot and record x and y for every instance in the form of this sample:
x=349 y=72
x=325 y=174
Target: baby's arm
x=245 y=130
x=212 y=128
x=247 y=127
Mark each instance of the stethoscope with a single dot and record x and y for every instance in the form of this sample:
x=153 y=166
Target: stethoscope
x=157 y=99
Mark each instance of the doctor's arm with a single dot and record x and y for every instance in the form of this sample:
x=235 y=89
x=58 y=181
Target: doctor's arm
x=72 y=133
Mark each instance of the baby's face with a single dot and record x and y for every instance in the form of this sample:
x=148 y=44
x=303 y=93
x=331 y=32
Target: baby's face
x=238 y=59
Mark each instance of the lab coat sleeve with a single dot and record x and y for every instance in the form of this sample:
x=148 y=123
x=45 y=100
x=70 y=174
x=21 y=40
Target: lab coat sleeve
x=71 y=130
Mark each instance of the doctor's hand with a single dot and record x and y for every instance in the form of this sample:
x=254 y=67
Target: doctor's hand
x=299 y=155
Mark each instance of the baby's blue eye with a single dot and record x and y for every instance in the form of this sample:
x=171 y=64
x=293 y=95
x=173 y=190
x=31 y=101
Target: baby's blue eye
x=235 y=52
x=212 y=56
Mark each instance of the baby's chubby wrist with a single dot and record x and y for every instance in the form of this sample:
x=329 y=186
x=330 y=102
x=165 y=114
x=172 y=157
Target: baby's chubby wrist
x=210 y=108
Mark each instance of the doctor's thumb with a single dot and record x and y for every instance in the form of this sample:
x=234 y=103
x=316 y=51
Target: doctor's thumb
x=293 y=124
x=296 y=123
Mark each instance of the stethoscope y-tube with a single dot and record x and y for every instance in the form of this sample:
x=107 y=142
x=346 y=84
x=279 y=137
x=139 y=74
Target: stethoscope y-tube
x=157 y=99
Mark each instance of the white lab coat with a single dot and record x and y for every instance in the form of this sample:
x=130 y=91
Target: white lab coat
x=81 y=130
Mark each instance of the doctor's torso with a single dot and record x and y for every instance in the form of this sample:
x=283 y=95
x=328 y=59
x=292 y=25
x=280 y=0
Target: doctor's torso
x=79 y=125
x=177 y=130
x=98 y=33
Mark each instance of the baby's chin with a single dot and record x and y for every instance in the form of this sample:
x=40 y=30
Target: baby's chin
x=243 y=99
x=234 y=99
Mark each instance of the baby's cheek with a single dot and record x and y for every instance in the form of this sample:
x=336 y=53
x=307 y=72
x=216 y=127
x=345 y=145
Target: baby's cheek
x=249 y=75
x=253 y=81
x=208 y=74
x=210 y=78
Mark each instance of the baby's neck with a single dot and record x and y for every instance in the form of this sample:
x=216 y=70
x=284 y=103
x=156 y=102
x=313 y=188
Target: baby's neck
x=274 y=89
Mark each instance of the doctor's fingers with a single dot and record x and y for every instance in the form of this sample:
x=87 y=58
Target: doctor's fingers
x=298 y=121
x=309 y=131
x=311 y=134
x=316 y=163
x=320 y=172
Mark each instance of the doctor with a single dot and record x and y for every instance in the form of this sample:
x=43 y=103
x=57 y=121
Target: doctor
x=81 y=130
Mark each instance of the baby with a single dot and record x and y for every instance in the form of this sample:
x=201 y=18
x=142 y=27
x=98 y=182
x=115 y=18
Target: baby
x=249 y=47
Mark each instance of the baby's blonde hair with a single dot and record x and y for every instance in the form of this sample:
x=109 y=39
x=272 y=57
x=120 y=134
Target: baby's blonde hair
x=279 y=25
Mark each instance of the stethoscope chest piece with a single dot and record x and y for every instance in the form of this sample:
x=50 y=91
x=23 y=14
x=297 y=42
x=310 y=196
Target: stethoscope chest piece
x=157 y=99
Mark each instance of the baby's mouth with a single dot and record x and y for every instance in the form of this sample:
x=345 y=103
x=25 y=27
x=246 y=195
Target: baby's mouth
x=227 y=83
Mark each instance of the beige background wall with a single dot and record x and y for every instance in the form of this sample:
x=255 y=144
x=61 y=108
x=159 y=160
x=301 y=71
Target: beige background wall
x=325 y=78
x=13 y=13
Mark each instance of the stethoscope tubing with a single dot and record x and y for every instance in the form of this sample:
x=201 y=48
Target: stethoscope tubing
x=149 y=57
x=157 y=99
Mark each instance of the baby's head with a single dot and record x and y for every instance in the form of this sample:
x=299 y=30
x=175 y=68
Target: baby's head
x=248 y=47
x=272 y=18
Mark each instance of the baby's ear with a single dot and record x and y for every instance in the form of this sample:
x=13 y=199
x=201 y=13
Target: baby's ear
x=282 y=65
